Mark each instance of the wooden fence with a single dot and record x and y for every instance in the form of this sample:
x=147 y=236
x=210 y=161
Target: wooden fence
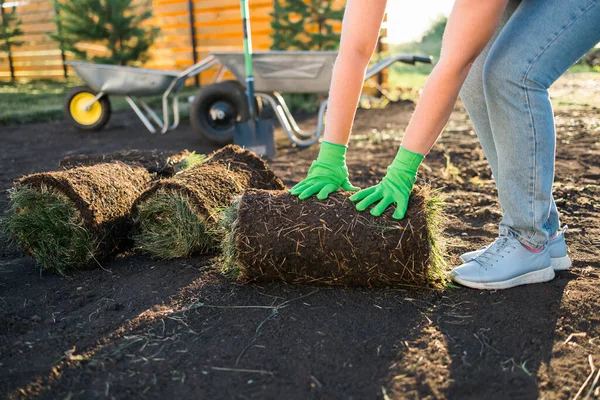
x=215 y=24
x=39 y=56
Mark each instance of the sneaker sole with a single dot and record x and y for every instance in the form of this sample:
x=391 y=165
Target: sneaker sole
x=561 y=263
x=558 y=263
x=542 y=275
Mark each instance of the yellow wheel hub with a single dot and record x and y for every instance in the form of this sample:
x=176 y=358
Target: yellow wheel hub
x=82 y=116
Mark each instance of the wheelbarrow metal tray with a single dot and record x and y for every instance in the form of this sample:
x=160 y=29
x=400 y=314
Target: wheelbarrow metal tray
x=125 y=81
x=284 y=71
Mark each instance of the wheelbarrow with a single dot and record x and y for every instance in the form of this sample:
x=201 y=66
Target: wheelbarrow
x=88 y=107
x=218 y=106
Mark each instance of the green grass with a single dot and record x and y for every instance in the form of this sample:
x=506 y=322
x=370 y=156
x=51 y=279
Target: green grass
x=46 y=224
x=577 y=68
x=434 y=216
x=191 y=161
x=168 y=227
x=227 y=222
x=33 y=101
x=42 y=100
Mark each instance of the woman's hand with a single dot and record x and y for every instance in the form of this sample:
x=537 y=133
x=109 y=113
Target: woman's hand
x=360 y=31
x=326 y=175
x=395 y=187
x=322 y=180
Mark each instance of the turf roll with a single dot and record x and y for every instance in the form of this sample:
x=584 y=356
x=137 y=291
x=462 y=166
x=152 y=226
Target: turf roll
x=179 y=216
x=163 y=163
x=274 y=236
x=75 y=218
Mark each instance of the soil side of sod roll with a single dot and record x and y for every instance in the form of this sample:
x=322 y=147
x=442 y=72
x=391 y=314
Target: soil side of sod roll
x=276 y=236
x=163 y=163
x=179 y=216
x=100 y=197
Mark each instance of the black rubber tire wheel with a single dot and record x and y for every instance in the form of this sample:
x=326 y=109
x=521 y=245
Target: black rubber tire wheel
x=216 y=109
x=98 y=120
x=263 y=108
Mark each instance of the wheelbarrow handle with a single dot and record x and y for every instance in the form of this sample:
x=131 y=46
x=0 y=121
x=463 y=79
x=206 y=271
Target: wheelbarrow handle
x=423 y=59
x=386 y=62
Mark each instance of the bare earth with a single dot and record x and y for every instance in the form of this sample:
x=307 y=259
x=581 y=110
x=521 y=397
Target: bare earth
x=142 y=328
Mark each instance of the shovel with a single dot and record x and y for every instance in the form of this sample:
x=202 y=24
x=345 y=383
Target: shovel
x=255 y=134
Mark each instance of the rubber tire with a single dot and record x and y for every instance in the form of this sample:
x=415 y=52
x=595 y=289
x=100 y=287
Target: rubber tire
x=263 y=108
x=230 y=91
x=104 y=103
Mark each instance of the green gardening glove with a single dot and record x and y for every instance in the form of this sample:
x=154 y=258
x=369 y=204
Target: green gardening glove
x=326 y=175
x=395 y=187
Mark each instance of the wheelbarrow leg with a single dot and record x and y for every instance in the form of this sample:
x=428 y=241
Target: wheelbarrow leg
x=151 y=113
x=299 y=132
x=288 y=125
x=140 y=114
x=176 y=118
x=175 y=112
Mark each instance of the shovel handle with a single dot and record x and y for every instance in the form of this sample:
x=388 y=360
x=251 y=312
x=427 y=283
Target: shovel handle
x=248 y=56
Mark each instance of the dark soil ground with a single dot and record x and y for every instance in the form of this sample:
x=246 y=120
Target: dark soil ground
x=140 y=328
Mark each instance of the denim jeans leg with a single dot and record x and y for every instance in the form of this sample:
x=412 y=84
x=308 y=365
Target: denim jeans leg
x=473 y=98
x=542 y=39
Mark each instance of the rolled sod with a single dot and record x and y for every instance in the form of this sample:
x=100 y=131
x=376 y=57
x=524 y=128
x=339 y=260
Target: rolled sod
x=274 y=236
x=163 y=163
x=179 y=216
x=75 y=218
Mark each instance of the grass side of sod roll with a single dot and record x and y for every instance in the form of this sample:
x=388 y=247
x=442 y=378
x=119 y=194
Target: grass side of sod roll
x=178 y=217
x=75 y=218
x=274 y=236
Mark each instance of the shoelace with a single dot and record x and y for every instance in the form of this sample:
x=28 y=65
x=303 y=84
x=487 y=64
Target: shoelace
x=496 y=251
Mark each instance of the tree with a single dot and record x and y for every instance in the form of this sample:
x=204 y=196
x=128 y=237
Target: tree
x=305 y=25
x=116 y=24
x=10 y=30
x=431 y=42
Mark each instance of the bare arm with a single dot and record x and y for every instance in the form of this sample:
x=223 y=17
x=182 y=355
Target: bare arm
x=360 y=31
x=470 y=26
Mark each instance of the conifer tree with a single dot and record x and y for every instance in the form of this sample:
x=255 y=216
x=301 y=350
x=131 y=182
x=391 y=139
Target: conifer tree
x=10 y=30
x=305 y=25
x=116 y=24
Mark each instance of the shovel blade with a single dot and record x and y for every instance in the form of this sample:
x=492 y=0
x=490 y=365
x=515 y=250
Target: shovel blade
x=256 y=136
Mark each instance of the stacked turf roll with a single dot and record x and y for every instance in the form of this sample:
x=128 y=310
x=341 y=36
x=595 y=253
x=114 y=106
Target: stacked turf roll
x=75 y=218
x=275 y=236
x=163 y=163
x=179 y=216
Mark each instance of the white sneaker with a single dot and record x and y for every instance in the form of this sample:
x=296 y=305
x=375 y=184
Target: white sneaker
x=505 y=264
x=557 y=246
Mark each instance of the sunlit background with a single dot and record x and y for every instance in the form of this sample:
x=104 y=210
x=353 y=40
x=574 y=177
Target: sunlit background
x=407 y=21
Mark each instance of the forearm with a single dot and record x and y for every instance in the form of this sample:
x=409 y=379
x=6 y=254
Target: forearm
x=470 y=26
x=434 y=107
x=346 y=87
x=360 y=32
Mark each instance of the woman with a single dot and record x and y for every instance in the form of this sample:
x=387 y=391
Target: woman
x=507 y=54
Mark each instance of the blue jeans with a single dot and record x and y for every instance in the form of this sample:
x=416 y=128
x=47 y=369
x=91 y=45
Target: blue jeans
x=506 y=97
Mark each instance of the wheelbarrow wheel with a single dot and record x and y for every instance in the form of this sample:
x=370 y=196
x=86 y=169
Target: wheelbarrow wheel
x=263 y=108
x=216 y=109
x=85 y=117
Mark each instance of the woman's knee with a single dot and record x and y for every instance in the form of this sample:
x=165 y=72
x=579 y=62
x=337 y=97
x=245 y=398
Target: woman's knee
x=505 y=73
